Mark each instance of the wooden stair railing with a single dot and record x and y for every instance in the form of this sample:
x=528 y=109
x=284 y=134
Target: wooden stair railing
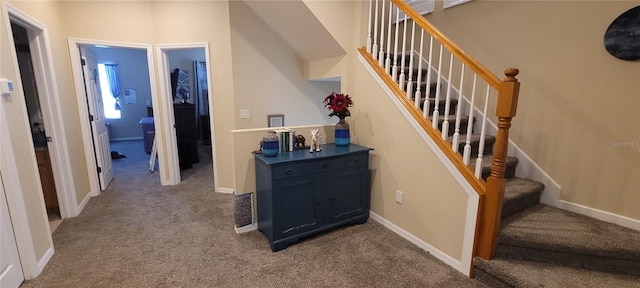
x=491 y=193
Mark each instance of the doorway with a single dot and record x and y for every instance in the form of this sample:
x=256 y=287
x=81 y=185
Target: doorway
x=123 y=72
x=194 y=60
x=85 y=107
x=189 y=92
x=38 y=125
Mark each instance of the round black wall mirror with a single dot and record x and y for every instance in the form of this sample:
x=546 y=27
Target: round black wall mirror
x=622 y=39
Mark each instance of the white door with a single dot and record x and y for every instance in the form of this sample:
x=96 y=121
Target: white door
x=99 y=129
x=10 y=268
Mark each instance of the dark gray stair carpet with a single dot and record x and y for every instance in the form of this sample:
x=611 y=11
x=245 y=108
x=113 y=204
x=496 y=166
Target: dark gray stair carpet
x=474 y=139
x=510 y=163
x=520 y=194
x=500 y=272
x=555 y=236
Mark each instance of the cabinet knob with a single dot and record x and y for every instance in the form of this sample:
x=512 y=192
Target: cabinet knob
x=331 y=198
x=357 y=161
x=325 y=165
x=289 y=172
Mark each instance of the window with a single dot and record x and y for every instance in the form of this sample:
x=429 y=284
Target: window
x=108 y=101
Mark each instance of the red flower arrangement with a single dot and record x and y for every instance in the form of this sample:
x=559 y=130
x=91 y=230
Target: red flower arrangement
x=338 y=104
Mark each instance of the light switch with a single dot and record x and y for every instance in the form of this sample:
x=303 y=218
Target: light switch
x=244 y=113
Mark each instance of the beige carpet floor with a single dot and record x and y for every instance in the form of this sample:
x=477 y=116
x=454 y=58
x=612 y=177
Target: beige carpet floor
x=140 y=234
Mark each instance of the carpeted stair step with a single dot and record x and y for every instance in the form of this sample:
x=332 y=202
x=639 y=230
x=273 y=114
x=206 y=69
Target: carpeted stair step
x=502 y=272
x=423 y=90
x=510 y=166
x=520 y=194
x=475 y=139
x=452 y=122
x=550 y=235
x=442 y=103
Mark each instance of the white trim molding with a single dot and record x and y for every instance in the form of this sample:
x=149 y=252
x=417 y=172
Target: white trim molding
x=168 y=145
x=600 y=215
x=444 y=257
x=225 y=190
x=245 y=229
x=51 y=107
x=76 y=69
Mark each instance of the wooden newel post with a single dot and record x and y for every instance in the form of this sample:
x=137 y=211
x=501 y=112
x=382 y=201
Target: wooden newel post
x=491 y=209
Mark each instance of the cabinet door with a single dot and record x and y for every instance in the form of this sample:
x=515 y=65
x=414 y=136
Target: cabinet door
x=296 y=206
x=347 y=193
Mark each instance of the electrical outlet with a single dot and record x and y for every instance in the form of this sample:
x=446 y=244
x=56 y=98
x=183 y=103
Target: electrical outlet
x=399 y=196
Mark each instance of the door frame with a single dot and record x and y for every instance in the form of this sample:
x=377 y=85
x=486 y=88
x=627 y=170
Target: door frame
x=167 y=103
x=85 y=125
x=51 y=107
x=60 y=159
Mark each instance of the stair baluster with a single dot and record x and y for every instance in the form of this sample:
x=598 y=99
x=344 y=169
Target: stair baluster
x=483 y=132
x=456 y=133
x=418 y=94
x=387 y=63
x=410 y=68
x=369 y=29
x=427 y=103
x=436 y=105
x=394 y=72
x=445 y=124
x=375 y=35
x=467 y=147
x=403 y=77
x=381 y=53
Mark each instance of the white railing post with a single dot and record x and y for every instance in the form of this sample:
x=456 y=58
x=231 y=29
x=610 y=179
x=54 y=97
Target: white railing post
x=387 y=63
x=381 y=53
x=401 y=82
x=427 y=103
x=482 y=133
x=467 y=147
x=418 y=94
x=445 y=124
x=456 y=133
x=394 y=73
x=369 y=30
x=410 y=68
x=374 y=49
x=436 y=106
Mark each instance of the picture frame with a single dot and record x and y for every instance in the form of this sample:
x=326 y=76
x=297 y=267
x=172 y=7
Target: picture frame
x=275 y=120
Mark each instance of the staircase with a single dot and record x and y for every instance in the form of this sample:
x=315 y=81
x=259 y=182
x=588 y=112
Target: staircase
x=543 y=246
x=535 y=245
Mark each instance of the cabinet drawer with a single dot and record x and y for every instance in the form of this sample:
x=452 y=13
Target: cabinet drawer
x=301 y=169
x=358 y=160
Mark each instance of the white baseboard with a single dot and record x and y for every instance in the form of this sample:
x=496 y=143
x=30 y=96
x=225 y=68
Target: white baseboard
x=246 y=228
x=529 y=169
x=82 y=204
x=225 y=190
x=600 y=215
x=44 y=260
x=456 y=264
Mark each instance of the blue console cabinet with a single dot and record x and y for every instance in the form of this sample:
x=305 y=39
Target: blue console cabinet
x=301 y=193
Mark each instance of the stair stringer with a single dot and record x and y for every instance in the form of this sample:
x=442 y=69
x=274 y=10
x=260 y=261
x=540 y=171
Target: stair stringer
x=465 y=264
